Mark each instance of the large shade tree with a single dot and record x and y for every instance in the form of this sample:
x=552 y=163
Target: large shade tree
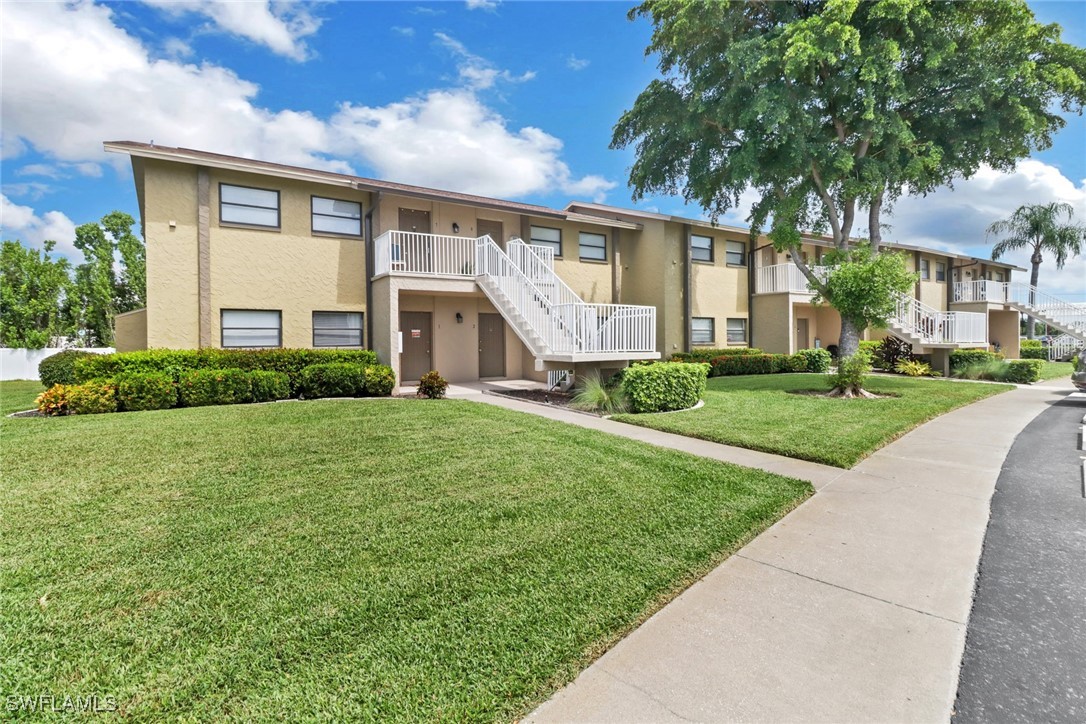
x=1040 y=228
x=831 y=110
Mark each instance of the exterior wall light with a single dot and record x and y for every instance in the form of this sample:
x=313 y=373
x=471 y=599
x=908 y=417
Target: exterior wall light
x=459 y=318
x=456 y=228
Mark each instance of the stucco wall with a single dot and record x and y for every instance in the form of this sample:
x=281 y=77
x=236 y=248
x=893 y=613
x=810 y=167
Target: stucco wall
x=130 y=331
x=773 y=323
x=718 y=290
x=1003 y=327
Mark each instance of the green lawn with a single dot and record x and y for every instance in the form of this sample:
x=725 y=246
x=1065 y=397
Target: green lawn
x=758 y=412
x=371 y=559
x=1055 y=370
x=18 y=395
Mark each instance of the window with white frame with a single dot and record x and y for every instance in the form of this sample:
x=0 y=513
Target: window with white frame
x=252 y=328
x=546 y=236
x=334 y=216
x=736 y=253
x=701 y=247
x=593 y=246
x=925 y=270
x=702 y=330
x=337 y=329
x=249 y=206
x=737 y=330
x=999 y=276
x=940 y=271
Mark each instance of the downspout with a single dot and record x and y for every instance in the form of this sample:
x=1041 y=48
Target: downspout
x=370 y=255
x=688 y=305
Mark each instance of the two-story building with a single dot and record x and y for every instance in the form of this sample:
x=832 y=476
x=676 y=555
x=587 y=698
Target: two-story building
x=246 y=253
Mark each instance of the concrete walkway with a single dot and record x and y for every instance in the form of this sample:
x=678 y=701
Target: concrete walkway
x=851 y=608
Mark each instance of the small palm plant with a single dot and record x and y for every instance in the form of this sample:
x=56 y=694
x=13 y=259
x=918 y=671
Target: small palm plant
x=596 y=395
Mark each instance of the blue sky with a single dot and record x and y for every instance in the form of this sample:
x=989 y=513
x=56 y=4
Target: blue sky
x=511 y=99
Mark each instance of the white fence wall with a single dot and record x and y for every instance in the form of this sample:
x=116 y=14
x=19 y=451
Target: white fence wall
x=22 y=364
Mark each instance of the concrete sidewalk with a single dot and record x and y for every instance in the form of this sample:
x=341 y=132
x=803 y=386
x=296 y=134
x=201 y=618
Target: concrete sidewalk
x=851 y=608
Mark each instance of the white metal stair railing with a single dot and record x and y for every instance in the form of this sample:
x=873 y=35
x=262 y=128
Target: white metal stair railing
x=409 y=252
x=571 y=327
x=927 y=325
x=1064 y=346
x=1065 y=316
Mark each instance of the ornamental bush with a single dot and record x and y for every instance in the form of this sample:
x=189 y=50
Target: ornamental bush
x=53 y=401
x=708 y=355
x=268 y=386
x=750 y=364
x=146 y=391
x=914 y=368
x=817 y=360
x=890 y=351
x=197 y=388
x=177 y=361
x=92 y=398
x=665 y=385
x=380 y=379
x=852 y=371
x=432 y=385
x=1032 y=349
x=1023 y=371
x=962 y=358
x=334 y=379
x=59 y=368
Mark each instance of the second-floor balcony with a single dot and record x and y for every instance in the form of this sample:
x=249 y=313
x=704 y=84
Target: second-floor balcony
x=414 y=253
x=782 y=278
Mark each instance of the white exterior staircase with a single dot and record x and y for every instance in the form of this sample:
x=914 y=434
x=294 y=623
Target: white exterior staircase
x=924 y=326
x=1067 y=317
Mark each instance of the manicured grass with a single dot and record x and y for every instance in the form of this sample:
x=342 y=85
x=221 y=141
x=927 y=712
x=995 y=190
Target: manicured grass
x=19 y=395
x=758 y=412
x=344 y=560
x=1054 y=370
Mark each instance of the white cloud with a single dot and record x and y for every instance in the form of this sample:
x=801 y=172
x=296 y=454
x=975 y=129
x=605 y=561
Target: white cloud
x=105 y=85
x=487 y=5
x=31 y=190
x=21 y=222
x=177 y=48
x=60 y=170
x=475 y=71
x=279 y=26
x=575 y=63
x=406 y=31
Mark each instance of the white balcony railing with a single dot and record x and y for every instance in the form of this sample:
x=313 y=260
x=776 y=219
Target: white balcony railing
x=1068 y=317
x=936 y=327
x=409 y=252
x=779 y=278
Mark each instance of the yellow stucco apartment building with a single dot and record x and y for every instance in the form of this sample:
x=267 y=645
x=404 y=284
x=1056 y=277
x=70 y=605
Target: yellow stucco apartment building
x=244 y=253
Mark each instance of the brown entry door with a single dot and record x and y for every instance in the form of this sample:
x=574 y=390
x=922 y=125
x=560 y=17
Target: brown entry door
x=417 y=248
x=493 y=229
x=801 y=334
x=491 y=345
x=415 y=360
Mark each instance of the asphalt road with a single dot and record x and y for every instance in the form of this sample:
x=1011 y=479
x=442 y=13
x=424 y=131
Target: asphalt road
x=1025 y=652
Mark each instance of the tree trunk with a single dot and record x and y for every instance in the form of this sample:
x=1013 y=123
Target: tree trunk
x=850 y=338
x=1033 y=283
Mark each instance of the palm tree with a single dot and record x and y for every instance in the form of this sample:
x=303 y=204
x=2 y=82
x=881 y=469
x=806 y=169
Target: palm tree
x=1039 y=227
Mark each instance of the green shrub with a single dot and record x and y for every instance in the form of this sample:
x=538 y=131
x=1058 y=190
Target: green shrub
x=595 y=395
x=665 y=386
x=334 y=379
x=146 y=391
x=59 y=368
x=92 y=398
x=871 y=346
x=1030 y=344
x=267 y=386
x=177 y=361
x=432 y=385
x=198 y=388
x=708 y=355
x=992 y=369
x=380 y=379
x=1037 y=352
x=794 y=363
x=1023 y=371
x=852 y=371
x=914 y=368
x=750 y=364
x=53 y=401
x=890 y=351
x=817 y=360
x=962 y=358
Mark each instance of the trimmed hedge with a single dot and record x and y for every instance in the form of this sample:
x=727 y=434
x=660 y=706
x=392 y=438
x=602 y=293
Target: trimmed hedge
x=269 y=386
x=59 y=368
x=817 y=360
x=175 y=362
x=380 y=379
x=962 y=358
x=92 y=398
x=750 y=364
x=336 y=379
x=1030 y=343
x=1037 y=352
x=197 y=388
x=665 y=386
x=137 y=391
x=708 y=355
x=1023 y=371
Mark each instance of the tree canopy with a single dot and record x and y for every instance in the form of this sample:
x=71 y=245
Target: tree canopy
x=831 y=108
